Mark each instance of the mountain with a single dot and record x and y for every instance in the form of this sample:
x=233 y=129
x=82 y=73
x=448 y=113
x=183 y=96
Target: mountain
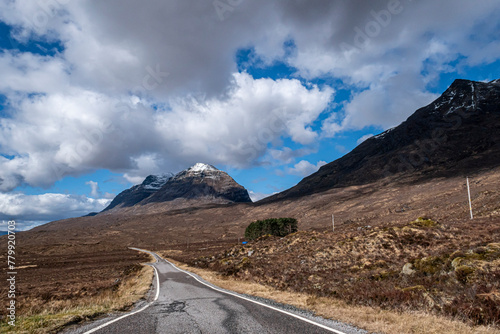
x=137 y=193
x=458 y=133
x=201 y=183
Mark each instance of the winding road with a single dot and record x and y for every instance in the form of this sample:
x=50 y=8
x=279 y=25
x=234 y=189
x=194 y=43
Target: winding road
x=184 y=303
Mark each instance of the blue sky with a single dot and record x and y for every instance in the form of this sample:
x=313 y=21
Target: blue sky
x=95 y=96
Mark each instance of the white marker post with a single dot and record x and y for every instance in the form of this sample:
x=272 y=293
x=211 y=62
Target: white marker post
x=470 y=203
x=333 y=223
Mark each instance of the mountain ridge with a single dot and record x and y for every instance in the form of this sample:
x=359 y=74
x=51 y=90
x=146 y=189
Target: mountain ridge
x=453 y=134
x=139 y=192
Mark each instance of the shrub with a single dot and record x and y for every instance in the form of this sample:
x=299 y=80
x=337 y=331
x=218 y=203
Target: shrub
x=273 y=226
x=463 y=272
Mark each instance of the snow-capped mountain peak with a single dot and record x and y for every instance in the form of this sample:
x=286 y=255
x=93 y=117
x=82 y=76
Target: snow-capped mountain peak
x=201 y=167
x=201 y=182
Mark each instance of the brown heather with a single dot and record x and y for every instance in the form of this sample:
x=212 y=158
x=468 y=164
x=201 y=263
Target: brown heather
x=43 y=310
x=372 y=319
x=450 y=270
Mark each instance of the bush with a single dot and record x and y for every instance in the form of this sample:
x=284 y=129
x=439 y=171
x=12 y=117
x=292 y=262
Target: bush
x=273 y=226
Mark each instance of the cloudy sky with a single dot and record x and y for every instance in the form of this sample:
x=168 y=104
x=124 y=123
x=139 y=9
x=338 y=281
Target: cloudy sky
x=96 y=95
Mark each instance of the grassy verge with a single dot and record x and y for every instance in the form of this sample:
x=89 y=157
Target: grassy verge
x=369 y=318
x=52 y=316
x=447 y=269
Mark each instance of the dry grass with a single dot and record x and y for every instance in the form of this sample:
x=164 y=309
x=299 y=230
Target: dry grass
x=368 y=318
x=49 y=317
x=450 y=269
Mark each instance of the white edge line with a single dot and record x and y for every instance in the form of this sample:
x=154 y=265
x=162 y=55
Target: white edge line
x=213 y=288
x=135 y=312
x=256 y=302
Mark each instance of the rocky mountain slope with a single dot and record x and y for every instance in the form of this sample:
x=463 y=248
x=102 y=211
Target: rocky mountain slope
x=201 y=182
x=456 y=134
x=137 y=193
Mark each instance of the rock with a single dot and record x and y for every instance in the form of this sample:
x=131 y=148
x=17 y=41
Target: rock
x=408 y=269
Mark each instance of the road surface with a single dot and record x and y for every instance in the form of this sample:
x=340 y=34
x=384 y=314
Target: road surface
x=186 y=304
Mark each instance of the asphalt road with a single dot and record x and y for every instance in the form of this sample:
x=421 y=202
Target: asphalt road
x=186 y=304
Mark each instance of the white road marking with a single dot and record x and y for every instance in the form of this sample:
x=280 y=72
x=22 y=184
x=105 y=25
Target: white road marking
x=155 y=256
x=213 y=288
x=259 y=303
x=140 y=310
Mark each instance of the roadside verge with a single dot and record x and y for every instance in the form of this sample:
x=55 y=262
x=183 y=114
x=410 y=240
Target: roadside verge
x=370 y=319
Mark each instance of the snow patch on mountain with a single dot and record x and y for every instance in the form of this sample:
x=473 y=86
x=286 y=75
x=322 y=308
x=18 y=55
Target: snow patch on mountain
x=157 y=181
x=444 y=101
x=383 y=134
x=201 y=167
x=473 y=104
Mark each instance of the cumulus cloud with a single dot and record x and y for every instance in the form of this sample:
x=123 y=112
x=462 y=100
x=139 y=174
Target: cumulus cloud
x=54 y=135
x=257 y=196
x=304 y=168
x=384 y=105
x=363 y=138
x=286 y=155
x=21 y=225
x=94 y=189
x=237 y=128
x=143 y=87
x=47 y=207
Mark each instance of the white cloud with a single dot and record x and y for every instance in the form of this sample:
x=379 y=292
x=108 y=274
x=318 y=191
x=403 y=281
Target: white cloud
x=21 y=225
x=363 y=138
x=385 y=105
x=142 y=87
x=304 y=168
x=257 y=196
x=55 y=135
x=94 y=189
x=26 y=72
x=341 y=148
x=47 y=207
x=109 y=196
x=286 y=155
x=236 y=129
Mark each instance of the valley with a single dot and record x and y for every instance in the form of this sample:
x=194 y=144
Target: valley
x=403 y=239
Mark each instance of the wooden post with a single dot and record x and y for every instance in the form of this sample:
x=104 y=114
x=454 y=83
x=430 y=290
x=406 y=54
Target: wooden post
x=470 y=203
x=333 y=223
